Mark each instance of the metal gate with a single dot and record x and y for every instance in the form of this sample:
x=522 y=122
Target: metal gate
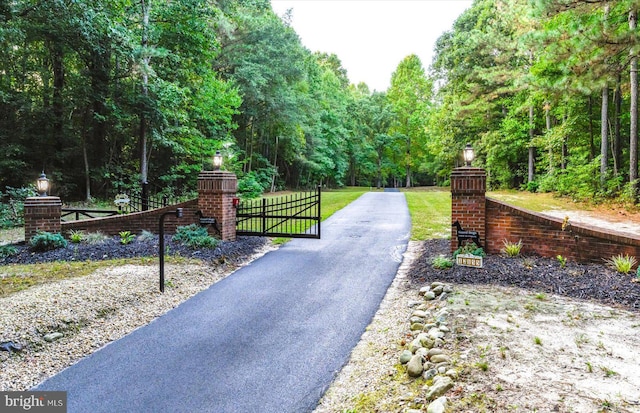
x=292 y=216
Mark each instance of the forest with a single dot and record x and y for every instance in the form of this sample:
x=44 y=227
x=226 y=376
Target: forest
x=103 y=95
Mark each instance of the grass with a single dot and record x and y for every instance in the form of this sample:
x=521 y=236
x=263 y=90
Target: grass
x=430 y=213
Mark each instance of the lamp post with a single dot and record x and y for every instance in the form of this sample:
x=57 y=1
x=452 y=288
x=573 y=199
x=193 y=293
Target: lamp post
x=178 y=214
x=468 y=155
x=42 y=184
x=217 y=161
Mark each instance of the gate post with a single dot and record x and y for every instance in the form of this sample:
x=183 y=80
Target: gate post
x=216 y=191
x=42 y=213
x=468 y=202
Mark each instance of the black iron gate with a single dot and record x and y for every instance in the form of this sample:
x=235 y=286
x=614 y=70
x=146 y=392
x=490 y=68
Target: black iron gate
x=292 y=216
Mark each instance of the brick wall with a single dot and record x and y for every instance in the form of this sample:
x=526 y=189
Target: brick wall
x=543 y=235
x=496 y=221
x=136 y=222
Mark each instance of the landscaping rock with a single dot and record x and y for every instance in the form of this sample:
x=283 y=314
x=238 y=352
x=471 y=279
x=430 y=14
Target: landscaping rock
x=438 y=405
x=405 y=356
x=51 y=337
x=414 y=367
x=441 y=385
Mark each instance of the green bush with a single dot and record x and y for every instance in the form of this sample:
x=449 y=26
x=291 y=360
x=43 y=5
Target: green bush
x=194 y=236
x=512 y=249
x=12 y=211
x=46 y=241
x=622 y=263
x=469 y=248
x=7 y=250
x=441 y=262
x=76 y=237
x=126 y=237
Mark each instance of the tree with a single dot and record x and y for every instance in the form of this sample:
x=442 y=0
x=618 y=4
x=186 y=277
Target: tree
x=409 y=95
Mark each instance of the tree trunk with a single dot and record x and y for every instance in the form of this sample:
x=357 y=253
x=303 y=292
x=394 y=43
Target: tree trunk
x=146 y=61
x=531 y=148
x=617 y=102
x=547 y=116
x=633 y=132
x=604 y=135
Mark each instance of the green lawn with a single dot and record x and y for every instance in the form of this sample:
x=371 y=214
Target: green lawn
x=430 y=212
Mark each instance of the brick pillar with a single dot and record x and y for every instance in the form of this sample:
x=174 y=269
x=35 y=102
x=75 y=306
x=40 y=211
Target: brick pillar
x=42 y=213
x=468 y=206
x=216 y=190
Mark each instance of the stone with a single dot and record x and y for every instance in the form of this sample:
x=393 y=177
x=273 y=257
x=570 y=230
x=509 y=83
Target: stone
x=430 y=295
x=415 y=345
x=435 y=333
x=51 y=337
x=451 y=373
x=405 y=356
x=414 y=367
x=434 y=351
x=417 y=326
x=414 y=320
x=422 y=352
x=436 y=284
x=438 y=290
x=429 y=374
x=419 y=313
x=444 y=329
x=441 y=385
x=424 y=290
x=439 y=358
x=438 y=405
x=447 y=288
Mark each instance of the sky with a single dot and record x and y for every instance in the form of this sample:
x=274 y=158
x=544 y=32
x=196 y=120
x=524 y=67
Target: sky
x=371 y=37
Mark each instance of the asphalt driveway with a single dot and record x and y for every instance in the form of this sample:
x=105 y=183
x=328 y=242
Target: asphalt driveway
x=268 y=338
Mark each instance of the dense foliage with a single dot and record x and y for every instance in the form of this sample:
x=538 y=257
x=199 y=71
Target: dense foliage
x=104 y=95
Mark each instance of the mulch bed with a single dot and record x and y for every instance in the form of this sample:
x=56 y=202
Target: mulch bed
x=111 y=248
x=584 y=281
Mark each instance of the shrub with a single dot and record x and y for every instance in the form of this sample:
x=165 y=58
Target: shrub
x=441 y=262
x=194 y=236
x=622 y=264
x=512 y=249
x=46 y=241
x=7 y=250
x=12 y=212
x=126 y=237
x=76 y=237
x=469 y=248
x=94 y=238
x=146 y=235
x=562 y=260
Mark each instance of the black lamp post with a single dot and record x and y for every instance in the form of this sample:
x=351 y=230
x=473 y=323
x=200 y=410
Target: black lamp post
x=468 y=155
x=42 y=184
x=178 y=214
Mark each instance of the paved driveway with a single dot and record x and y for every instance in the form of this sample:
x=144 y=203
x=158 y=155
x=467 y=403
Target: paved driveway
x=268 y=338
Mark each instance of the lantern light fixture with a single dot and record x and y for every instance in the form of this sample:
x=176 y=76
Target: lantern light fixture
x=42 y=184
x=217 y=161
x=468 y=154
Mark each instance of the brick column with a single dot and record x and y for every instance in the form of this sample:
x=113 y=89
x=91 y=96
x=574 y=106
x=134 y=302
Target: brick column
x=42 y=213
x=216 y=190
x=468 y=204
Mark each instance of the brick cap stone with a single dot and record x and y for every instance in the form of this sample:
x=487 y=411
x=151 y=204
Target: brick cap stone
x=40 y=201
